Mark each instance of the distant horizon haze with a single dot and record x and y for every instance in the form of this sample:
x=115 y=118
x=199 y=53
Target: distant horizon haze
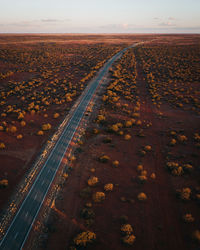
x=100 y=16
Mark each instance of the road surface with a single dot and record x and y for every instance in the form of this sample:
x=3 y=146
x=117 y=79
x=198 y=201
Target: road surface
x=21 y=225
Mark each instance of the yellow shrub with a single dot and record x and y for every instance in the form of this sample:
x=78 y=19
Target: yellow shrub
x=138 y=123
x=40 y=132
x=127 y=137
x=115 y=163
x=93 y=181
x=98 y=197
x=126 y=229
x=142 y=196
x=84 y=238
x=144 y=172
x=177 y=171
x=101 y=118
x=188 y=218
x=23 y=123
x=104 y=158
x=20 y=116
x=172 y=142
x=142 y=178
x=46 y=126
x=20 y=136
x=56 y=115
x=128 y=124
x=129 y=239
x=182 y=138
x=2 y=145
x=196 y=235
x=147 y=148
x=196 y=137
x=153 y=176
x=13 y=129
x=114 y=128
x=139 y=167
x=65 y=175
x=1 y=128
x=95 y=131
x=185 y=193
x=108 y=187
x=4 y=183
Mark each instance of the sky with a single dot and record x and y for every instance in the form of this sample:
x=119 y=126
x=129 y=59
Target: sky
x=99 y=16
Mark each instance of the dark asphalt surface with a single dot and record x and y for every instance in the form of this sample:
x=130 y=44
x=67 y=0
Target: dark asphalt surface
x=21 y=225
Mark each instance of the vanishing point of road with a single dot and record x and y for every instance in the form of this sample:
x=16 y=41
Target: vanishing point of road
x=19 y=229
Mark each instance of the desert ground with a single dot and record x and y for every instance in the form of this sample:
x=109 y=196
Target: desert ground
x=135 y=180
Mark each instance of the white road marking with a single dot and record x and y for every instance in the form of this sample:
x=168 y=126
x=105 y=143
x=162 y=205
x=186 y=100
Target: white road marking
x=26 y=215
x=16 y=235
x=35 y=197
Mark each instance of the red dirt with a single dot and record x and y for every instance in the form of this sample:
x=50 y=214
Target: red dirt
x=157 y=223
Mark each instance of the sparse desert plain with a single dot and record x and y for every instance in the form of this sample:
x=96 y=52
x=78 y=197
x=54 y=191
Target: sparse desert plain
x=135 y=178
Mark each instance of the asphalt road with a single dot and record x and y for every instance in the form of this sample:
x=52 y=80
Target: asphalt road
x=21 y=225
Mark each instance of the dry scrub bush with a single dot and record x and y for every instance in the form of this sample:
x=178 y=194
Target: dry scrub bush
x=108 y=187
x=196 y=235
x=128 y=124
x=114 y=128
x=147 y=148
x=56 y=115
x=23 y=123
x=104 y=158
x=188 y=218
x=92 y=181
x=178 y=170
x=129 y=239
x=46 y=126
x=20 y=116
x=153 y=176
x=2 y=145
x=126 y=229
x=197 y=137
x=65 y=175
x=115 y=163
x=3 y=183
x=172 y=142
x=182 y=138
x=184 y=193
x=95 y=131
x=84 y=238
x=20 y=136
x=127 y=137
x=142 y=178
x=101 y=118
x=40 y=132
x=142 y=197
x=98 y=197
x=13 y=129
x=139 y=167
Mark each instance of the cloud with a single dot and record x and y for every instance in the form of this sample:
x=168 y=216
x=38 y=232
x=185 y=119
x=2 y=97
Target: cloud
x=54 y=20
x=156 y=18
x=168 y=24
x=172 y=18
x=24 y=24
x=50 y=20
x=35 y=23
